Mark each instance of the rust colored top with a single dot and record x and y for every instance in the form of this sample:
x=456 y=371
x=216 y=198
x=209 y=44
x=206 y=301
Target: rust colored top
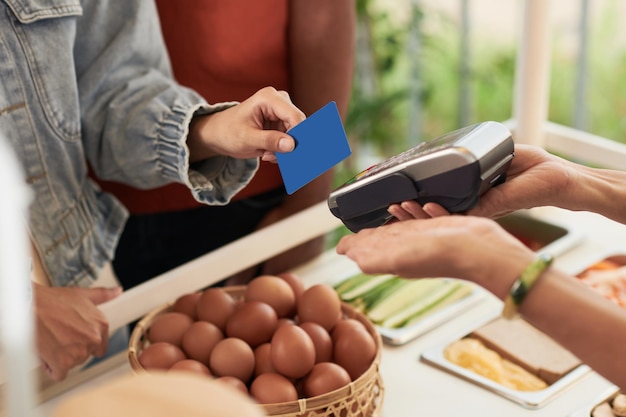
x=226 y=50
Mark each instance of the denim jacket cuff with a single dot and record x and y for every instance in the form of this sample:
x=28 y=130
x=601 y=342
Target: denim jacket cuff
x=213 y=181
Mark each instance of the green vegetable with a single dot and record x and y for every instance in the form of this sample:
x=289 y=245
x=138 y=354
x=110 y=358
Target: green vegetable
x=382 y=291
x=363 y=287
x=351 y=282
x=410 y=292
x=423 y=305
x=462 y=291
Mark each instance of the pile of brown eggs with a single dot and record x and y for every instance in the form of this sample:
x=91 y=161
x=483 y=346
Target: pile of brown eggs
x=276 y=341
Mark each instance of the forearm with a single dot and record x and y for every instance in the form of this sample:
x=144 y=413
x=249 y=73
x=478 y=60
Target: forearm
x=601 y=191
x=585 y=323
x=312 y=193
x=322 y=48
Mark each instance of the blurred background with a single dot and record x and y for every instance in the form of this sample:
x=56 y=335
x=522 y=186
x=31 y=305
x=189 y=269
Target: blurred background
x=426 y=67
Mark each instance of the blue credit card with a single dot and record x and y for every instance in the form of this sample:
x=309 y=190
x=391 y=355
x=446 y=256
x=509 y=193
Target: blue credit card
x=321 y=143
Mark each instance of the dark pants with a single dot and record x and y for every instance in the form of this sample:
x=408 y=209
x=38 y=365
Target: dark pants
x=155 y=243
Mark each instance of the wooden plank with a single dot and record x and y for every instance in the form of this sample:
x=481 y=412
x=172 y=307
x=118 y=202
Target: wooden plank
x=220 y=263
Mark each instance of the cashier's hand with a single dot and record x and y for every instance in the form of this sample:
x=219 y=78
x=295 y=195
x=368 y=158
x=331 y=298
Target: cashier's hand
x=535 y=178
x=466 y=247
x=251 y=129
x=69 y=326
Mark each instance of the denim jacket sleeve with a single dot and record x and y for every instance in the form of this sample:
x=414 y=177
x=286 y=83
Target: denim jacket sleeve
x=134 y=116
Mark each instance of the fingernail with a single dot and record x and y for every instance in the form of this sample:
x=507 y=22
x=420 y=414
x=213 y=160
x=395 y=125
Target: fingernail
x=285 y=145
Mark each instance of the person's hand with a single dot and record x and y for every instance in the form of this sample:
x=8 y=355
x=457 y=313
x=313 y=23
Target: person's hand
x=69 y=326
x=535 y=178
x=254 y=128
x=466 y=247
x=408 y=210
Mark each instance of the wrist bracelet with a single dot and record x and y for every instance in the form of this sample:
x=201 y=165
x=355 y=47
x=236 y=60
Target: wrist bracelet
x=521 y=287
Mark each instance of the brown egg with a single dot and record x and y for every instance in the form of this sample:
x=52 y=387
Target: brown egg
x=160 y=356
x=321 y=340
x=271 y=388
x=320 y=304
x=295 y=282
x=348 y=334
x=186 y=304
x=325 y=377
x=285 y=321
x=232 y=357
x=293 y=351
x=343 y=325
x=200 y=339
x=274 y=291
x=233 y=382
x=254 y=322
x=215 y=305
x=169 y=327
x=190 y=365
x=262 y=359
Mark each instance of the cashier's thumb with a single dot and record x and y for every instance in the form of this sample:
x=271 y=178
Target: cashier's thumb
x=102 y=295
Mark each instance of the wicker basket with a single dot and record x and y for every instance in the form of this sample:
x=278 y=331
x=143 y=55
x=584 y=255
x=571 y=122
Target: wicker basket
x=363 y=397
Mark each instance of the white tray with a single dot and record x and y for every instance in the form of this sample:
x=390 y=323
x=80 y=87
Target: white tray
x=528 y=399
x=403 y=335
x=557 y=238
x=607 y=395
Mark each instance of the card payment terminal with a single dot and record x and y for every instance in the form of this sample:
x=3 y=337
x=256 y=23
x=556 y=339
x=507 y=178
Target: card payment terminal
x=453 y=170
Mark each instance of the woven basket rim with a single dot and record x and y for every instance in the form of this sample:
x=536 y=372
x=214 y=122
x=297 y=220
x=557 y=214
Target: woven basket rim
x=138 y=338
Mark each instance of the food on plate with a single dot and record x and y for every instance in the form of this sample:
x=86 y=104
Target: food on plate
x=614 y=407
x=239 y=337
x=472 y=354
x=521 y=343
x=395 y=302
x=514 y=354
x=619 y=405
x=603 y=410
x=608 y=277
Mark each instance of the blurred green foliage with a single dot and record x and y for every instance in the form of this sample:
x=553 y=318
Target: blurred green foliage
x=378 y=120
x=383 y=87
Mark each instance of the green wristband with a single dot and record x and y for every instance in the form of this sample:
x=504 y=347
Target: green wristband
x=522 y=286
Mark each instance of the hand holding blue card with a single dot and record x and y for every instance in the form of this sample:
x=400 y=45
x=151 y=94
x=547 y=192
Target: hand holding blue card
x=321 y=143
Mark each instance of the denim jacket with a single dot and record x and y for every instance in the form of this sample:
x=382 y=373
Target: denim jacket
x=89 y=81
